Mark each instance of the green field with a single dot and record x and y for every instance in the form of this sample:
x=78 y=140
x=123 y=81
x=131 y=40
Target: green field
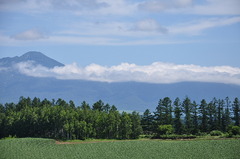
x=141 y=149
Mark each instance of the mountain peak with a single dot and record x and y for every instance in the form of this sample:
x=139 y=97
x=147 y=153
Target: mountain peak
x=32 y=54
x=37 y=57
x=40 y=58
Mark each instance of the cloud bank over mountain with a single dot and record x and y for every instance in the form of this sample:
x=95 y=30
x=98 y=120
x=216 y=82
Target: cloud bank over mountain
x=157 y=72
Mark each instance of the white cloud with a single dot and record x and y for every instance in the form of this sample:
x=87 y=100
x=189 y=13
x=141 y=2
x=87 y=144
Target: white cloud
x=29 y=35
x=157 y=72
x=197 y=26
x=142 y=28
x=123 y=7
x=119 y=22
x=162 y=5
x=77 y=7
x=217 y=7
x=142 y=32
x=149 y=25
x=116 y=7
x=208 y=7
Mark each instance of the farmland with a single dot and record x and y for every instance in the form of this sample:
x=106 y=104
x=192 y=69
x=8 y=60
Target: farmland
x=47 y=148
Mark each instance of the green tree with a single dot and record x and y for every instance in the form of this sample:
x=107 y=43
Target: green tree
x=195 y=118
x=187 y=110
x=226 y=114
x=36 y=102
x=136 y=125
x=80 y=129
x=147 y=122
x=203 y=116
x=177 y=120
x=163 y=112
x=85 y=106
x=113 y=108
x=168 y=110
x=125 y=126
x=159 y=114
x=220 y=117
x=2 y=121
x=106 y=108
x=98 y=105
x=236 y=111
x=23 y=102
x=60 y=102
x=212 y=115
x=71 y=104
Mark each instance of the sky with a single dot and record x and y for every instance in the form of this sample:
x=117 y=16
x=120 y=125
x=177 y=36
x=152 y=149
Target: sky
x=80 y=33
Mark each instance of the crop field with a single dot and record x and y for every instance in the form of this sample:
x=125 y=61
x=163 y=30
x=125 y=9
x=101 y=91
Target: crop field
x=30 y=148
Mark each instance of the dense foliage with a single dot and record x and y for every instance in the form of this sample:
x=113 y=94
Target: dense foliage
x=188 y=117
x=28 y=148
x=62 y=120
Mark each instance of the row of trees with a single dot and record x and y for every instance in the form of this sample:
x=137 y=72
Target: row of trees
x=188 y=117
x=62 y=120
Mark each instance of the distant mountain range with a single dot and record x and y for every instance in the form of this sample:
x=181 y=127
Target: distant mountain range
x=125 y=95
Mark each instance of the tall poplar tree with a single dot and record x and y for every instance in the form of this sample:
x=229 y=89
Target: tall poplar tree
x=236 y=111
x=220 y=117
x=195 y=117
x=178 y=125
x=147 y=122
x=203 y=116
x=227 y=118
x=187 y=110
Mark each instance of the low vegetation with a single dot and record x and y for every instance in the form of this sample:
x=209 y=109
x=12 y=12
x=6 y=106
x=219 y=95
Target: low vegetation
x=28 y=148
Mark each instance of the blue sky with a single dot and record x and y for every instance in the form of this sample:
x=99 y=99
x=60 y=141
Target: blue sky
x=203 y=32
x=111 y=32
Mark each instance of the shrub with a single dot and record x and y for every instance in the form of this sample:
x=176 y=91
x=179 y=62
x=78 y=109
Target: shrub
x=174 y=137
x=10 y=137
x=226 y=135
x=216 y=133
x=165 y=130
x=234 y=130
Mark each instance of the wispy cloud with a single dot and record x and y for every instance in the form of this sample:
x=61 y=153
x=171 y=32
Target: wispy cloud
x=77 y=7
x=217 y=7
x=142 y=32
x=124 y=7
x=157 y=72
x=207 y=7
x=118 y=22
x=150 y=25
x=161 y=5
x=32 y=34
x=198 y=26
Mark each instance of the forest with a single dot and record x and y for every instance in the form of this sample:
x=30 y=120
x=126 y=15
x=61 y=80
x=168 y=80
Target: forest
x=59 y=119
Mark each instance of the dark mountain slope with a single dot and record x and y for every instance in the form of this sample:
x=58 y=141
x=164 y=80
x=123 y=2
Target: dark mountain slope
x=126 y=95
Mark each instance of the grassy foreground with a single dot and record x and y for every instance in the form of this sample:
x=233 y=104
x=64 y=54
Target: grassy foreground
x=48 y=149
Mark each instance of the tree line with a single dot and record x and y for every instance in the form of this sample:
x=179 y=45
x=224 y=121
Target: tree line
x=62 y=120
x=188 y=117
